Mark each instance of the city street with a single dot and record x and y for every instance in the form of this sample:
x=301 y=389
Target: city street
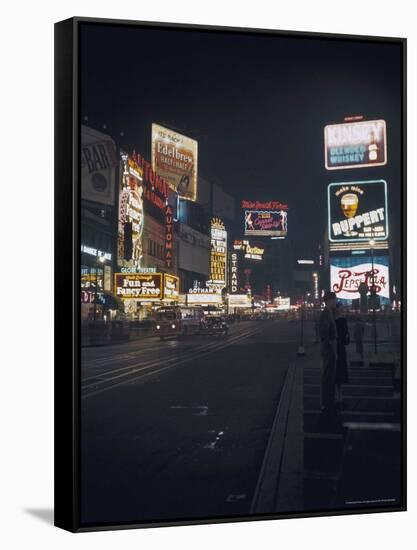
x=240 y=313
x=178 y=428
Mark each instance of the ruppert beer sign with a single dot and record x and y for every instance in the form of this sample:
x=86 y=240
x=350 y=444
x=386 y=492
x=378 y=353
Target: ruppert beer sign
x=355 y=144
x=358 y=211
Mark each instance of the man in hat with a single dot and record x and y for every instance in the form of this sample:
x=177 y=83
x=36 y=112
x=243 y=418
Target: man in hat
x=328 y=340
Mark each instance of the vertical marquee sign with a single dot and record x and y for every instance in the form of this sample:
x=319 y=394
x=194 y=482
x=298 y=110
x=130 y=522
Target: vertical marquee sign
x=130 y=216
x=218 y=255
x=169 y=236
x=234 y=273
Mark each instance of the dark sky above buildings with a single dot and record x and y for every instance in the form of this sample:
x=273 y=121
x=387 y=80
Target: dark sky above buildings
x=257 y=104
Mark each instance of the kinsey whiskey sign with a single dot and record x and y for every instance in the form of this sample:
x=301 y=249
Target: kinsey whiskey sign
x=355 y=144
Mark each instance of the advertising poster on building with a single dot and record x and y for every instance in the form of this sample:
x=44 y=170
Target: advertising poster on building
x=203 y=296
x=239 y=300
x=265 y=219
x=346 y=274
x=358 y=211
x=175 y=158
x=218 y=255
x=98 y=167
x=130 y=224
x=171 y=287
x=282 y=304
x=138 y=286
x=357 y=144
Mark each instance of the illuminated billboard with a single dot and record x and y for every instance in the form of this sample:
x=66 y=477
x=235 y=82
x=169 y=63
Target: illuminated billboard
x=346 y=274
x=175 y=158
x=357 y=211
x=98 y=166
x=266 y=223
x=130 y=224
x=251 y=251
x=171 y=287
x=218 y=254
x=138 y=286
x=355 y=144
x=239 y=300
x=141 y=193
x=203 y=296
x=234 y=279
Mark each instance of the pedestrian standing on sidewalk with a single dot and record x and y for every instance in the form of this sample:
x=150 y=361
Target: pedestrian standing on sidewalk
x=328 y=341
x=343 y=339
x=358 y=333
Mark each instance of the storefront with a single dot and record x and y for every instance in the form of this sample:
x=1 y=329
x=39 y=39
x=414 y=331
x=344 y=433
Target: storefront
x=96 y=284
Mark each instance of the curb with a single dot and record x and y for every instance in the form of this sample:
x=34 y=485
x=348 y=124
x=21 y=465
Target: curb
x=280 y=485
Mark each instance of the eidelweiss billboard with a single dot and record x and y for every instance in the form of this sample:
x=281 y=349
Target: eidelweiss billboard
x=175 y=158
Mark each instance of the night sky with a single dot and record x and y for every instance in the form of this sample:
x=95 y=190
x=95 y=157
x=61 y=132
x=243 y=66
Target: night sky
x=256 y=104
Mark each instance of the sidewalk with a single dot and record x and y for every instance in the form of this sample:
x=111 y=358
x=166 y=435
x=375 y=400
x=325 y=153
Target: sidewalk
x=316 y=462
x=353 y=458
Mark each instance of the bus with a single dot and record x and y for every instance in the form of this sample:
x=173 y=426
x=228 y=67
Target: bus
x=176 y=321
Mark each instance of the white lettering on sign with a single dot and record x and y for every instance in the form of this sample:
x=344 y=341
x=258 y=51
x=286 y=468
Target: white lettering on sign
x=357 y=222
x=345 y=281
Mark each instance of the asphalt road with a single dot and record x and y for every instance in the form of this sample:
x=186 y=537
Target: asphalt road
x=178 y=429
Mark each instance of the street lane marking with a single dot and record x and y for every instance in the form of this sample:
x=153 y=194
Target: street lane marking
x=129 y=375
x=201 y=410
x=201 y=347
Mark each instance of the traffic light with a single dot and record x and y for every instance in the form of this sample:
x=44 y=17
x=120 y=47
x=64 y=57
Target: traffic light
x=128 y=245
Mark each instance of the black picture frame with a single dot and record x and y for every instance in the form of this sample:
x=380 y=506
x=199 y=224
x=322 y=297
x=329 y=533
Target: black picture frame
x=67 y=269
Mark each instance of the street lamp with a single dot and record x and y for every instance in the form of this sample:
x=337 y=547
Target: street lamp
x=100 y=259
x=373 y=293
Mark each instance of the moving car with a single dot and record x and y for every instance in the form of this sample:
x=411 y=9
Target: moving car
x=176 y=321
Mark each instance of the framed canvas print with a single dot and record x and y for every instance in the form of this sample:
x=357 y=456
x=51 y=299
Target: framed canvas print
x=230 y=274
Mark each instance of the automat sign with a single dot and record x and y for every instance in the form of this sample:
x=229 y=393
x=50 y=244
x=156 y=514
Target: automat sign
x=169 y=236
x=358 y=211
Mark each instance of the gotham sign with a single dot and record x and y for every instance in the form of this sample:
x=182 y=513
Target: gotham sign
x=358 y=211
